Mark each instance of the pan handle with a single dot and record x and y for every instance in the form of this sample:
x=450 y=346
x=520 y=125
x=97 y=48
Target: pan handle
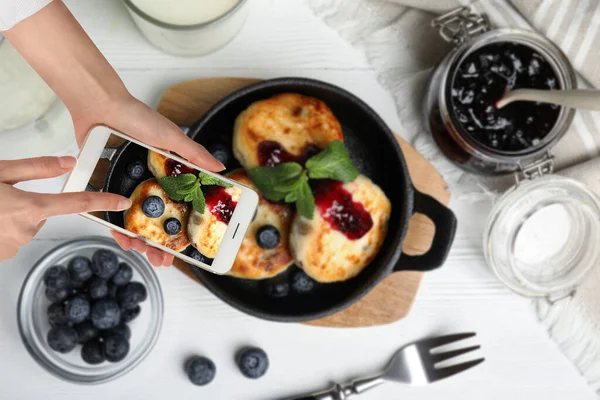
x=445 y=228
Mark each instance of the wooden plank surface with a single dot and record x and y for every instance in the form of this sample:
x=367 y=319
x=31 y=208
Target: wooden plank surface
x=392 y=299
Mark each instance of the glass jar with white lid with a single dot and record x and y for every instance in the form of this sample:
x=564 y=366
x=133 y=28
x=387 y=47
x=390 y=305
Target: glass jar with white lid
x=543 y=235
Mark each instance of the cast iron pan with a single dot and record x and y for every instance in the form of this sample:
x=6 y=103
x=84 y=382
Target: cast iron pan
x=376 y=154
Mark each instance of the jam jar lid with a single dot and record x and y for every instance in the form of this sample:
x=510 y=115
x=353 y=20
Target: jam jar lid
x=543 y=236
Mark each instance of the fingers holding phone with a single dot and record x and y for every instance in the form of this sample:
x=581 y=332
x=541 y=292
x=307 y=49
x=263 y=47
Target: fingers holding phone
x=179 y=208
x=24 y=213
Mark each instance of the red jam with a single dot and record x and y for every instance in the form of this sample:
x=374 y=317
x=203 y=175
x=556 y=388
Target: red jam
x=220 y=203
x=271 y=153
x=174 y=168
x=336 y=207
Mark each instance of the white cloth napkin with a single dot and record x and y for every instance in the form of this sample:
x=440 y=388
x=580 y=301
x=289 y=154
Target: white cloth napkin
x=398 y=40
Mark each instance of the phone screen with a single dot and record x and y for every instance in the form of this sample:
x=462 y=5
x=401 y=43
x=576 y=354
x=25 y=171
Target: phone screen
x=181 y=208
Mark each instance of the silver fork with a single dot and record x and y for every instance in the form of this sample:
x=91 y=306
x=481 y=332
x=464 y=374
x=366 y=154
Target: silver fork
x=414 y=364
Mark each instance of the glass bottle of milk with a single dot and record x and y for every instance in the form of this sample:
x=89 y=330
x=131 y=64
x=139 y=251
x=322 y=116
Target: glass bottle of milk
x=33 y=122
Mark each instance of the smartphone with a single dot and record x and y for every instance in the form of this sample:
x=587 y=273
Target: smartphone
x=196 y=215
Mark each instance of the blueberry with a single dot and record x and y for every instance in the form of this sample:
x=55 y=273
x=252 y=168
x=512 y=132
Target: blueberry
x=136 y=169
x=172 y=226
x=116 y=347
x=62 y=338
x=131 y=294
x=278 y=290
x=123 y=275
x=55 y=295
x=105 y=263
x=56 y=315
x=121 y=329
x=196 y=255
x=302 y=283
x=105 y=313
x=129 y=315
x=112 y=290
x=92 y=352
x=200 y=370
x=97 y=288
x=57 y=277
x=77 y=309
x=153 y=207
x=221 y=152
x=268 y=237
x=253 y=362
x=86 y=331
x=80 y=269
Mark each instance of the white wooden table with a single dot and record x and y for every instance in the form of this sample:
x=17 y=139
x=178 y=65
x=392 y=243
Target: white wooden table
x=283 y=38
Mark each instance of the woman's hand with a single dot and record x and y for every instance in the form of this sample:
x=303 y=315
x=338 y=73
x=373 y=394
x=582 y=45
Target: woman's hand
x=56 y=46
x=131 y=116
x=24 y=213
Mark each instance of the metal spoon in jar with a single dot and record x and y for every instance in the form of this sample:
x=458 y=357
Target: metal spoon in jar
x=585 y=99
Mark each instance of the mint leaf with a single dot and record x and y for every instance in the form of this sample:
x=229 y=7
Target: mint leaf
x=305 y=204
x=178 y=186
x=184 y=187
x=189 y=197
x=332 y=163
x=298 y=191
x=207 y=179
x=198 y=201
x=290 y=185
x=267 y=179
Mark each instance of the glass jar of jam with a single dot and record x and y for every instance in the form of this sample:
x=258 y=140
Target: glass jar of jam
x=460 y=108
x=543 y=235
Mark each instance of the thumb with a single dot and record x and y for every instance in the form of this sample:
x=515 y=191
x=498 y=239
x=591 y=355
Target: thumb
x=76 y=203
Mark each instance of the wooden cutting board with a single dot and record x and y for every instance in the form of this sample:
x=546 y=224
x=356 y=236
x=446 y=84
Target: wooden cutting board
x=392 y=299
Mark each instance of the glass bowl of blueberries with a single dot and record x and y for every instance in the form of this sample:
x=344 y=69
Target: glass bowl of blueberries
x=89 y=312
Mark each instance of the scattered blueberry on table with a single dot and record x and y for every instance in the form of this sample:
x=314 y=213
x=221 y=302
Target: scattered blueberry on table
x=253 y=362
x=200 y=370
x=92 y=303
x=153 y=207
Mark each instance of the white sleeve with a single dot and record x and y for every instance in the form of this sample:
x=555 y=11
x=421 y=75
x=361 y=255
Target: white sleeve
x=15 y=11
